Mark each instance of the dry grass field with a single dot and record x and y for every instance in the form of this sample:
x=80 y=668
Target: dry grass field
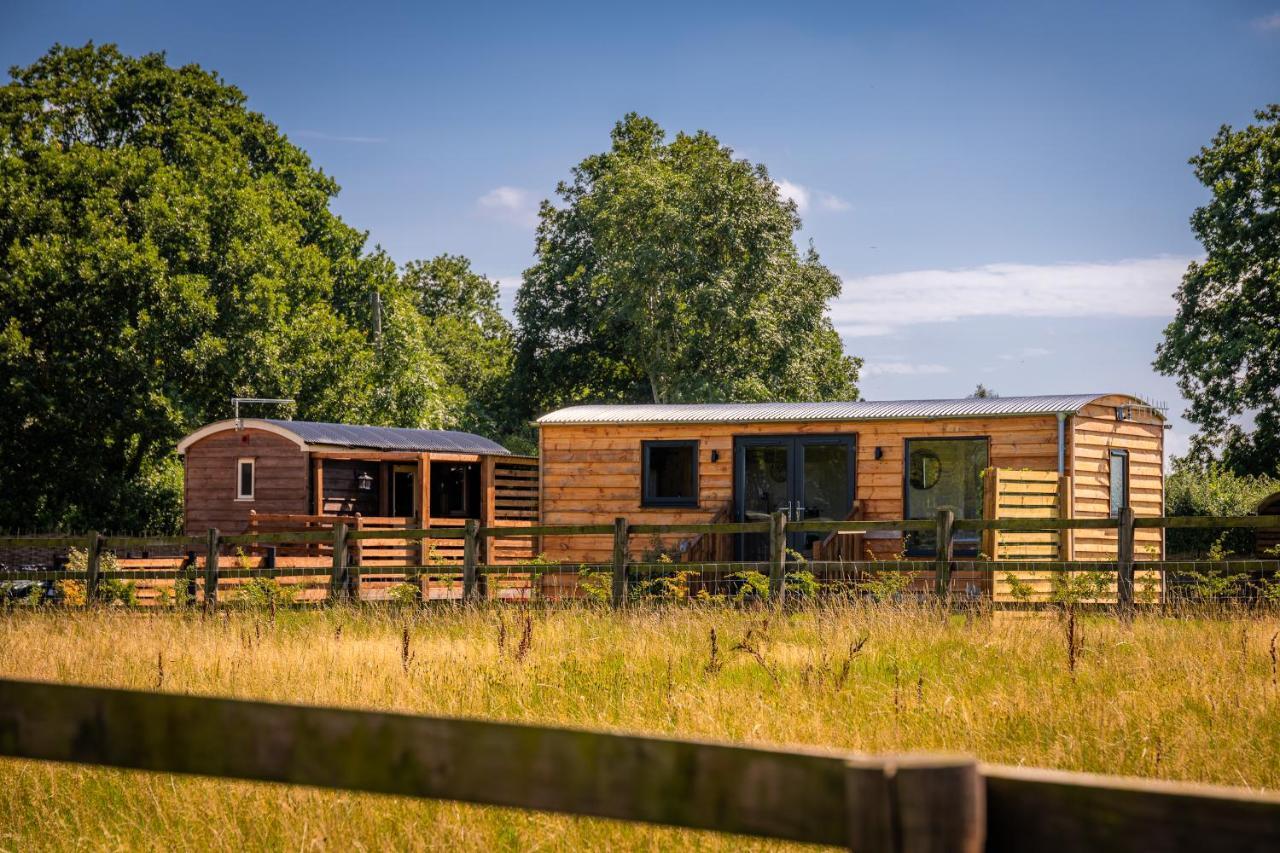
x=1178 y=698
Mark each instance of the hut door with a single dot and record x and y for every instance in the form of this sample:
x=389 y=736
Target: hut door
x=810 y=478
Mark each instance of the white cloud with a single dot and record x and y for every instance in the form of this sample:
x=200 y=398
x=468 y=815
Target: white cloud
x=797 y=193
x=511 y=204
x=1267 y=22
x=804 y=197
x=877 y=304
x=902 y=368
x=833 y=203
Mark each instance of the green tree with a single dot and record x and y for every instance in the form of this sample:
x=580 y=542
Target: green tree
x=468 y=335
x=1203 y=490
x=1224 y=343
x=669 y=274
x=163 y=248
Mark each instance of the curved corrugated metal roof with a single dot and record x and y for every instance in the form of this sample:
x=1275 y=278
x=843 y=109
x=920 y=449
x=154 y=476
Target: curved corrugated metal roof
x=390 y=438
x=966 y=407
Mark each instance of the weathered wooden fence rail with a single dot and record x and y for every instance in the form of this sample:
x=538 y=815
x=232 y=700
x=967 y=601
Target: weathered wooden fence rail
x=867 y=803
x=342 y=540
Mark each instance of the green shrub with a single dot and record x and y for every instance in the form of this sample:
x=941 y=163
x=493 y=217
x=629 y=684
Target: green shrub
x=265 y=593
x=1206 y=491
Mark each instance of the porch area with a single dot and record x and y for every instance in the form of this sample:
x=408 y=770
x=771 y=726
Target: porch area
x=400 y=490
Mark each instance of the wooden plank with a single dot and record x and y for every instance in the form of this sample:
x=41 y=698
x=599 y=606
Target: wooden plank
x=212 y=547
x=1029 y=809
x=93 y=548
x=942 y=561
x=470 y=557
x=698 y=785
x=1124 y=562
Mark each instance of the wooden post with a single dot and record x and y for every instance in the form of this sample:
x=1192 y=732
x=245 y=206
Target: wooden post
x=211 y=570
x=991 y=509
x=1124 y=562
x=489 y=497
x=620 y=537
x=338 y=587
x=916 y=804
x=93 y=567
x=1066 y=509
x=317 y=480
x=942 y=560
x=778 y=558
x=470 y=545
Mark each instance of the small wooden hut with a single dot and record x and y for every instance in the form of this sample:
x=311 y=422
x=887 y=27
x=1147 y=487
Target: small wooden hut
x=271 y=475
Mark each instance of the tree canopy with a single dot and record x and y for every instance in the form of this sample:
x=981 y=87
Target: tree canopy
x=163 y=248
x=473 y=341
x=1224 y=342
x=669 y=273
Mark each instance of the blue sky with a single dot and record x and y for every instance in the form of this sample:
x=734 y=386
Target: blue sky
x=1004 y=189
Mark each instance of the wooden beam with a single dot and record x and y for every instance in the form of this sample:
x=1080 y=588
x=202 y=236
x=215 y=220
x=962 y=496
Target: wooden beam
x=1124 y=562
x=317 y=484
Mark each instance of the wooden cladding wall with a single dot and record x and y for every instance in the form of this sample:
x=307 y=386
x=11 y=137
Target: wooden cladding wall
x=591 y=473
x=280 y=479
x=1095 y=432
x=342 y=492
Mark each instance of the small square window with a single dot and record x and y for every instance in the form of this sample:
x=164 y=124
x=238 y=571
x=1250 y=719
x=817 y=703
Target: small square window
x=244 y=480
x=670 y=475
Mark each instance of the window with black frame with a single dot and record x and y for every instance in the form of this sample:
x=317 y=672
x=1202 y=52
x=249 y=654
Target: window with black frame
x=1119 y=477
x=943 y=473
x=670 y=473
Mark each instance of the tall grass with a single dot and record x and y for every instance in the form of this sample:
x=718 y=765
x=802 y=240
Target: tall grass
x=1178 y=698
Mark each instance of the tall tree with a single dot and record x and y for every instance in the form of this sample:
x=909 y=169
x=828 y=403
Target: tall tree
x=163 y=248
x=1224 y=343
x=669 y=273
x=471 y=339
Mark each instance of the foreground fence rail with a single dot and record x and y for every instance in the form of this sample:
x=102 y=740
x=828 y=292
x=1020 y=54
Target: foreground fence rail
x=201 y=565
x=867 y=803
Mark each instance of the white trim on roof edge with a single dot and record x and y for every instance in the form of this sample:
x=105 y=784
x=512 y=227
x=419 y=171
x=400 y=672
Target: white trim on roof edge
x=249 y=423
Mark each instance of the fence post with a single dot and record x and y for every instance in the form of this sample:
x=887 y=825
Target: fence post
x=1124 y=562
x=942 y=562
x=778 y=558
x=93 y=567
x=916 y=804
x=620 y=536
x=338 y=587
x=470 y=541
x=211 y=570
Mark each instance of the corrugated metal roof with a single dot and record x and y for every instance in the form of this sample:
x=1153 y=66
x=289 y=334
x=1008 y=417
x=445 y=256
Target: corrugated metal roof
x=391 y=438
x=681 y=413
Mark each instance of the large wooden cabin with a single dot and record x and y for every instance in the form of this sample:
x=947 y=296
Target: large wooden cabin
x=1085 y=455
x=269 y=474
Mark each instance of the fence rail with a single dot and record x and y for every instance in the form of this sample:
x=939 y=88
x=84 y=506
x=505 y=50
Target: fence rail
x=345 y=547
x=868 y=803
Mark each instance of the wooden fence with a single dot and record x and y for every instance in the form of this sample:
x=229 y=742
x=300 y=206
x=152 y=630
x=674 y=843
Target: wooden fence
x=867 y=803
x=343 y=543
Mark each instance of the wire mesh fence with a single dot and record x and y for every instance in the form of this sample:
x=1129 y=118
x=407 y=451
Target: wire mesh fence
x=407 y=566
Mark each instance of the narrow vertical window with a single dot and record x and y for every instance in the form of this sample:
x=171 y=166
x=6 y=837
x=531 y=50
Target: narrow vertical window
x=244 y=480
x=1119 y=460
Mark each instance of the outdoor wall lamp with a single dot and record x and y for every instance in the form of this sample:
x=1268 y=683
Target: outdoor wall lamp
x=365 y=481
x=879 y=452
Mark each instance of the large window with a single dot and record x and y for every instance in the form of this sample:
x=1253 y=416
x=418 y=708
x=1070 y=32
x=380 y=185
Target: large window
x=1119 y=460
x=944 y=473
x=244 y=479
x=670 y=473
